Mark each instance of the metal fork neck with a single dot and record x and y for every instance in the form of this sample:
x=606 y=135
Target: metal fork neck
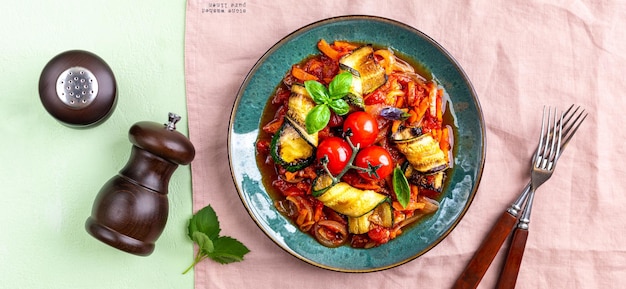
x=516 y=207
x=525 y=218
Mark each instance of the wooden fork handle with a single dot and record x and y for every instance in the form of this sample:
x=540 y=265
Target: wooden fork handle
x=487 y=251
x=508 y=276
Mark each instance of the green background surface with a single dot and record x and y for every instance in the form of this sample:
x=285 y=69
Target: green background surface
x=50 y=173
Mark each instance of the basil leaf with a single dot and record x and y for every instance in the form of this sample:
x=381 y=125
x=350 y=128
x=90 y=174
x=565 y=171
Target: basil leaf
x=228 y=250
x=339 y=106
x=203 y=242
x=317 y=91
x=340 y=85
x=401 y=187
x=204 y=221
x=317 y=118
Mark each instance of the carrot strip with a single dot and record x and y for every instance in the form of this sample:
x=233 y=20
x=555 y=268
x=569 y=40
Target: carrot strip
x=274 y=125
x=444 y=138
x=344 y=46
x=318 y=213
x=413 y=116
x=400 y=101
x=395 y=232
x=440 y=105
x=307 y=226
x=411 y=206
x=411 y=99
x=414 y=192
x=290 y=176
x=432 y=97
x=444 y=143
x=422 y=108
x=435 y=133
x=395 y=125
x=302 y=75
x=302 y=216
x=325 y=48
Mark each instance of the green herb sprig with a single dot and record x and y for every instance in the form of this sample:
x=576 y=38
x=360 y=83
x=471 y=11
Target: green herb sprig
x=327 y=99
x=204 y=229
x=401 y=187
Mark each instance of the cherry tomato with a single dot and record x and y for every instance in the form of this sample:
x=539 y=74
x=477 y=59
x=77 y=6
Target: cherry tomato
x=374 y=156
x=338 y=152
x=364 y=128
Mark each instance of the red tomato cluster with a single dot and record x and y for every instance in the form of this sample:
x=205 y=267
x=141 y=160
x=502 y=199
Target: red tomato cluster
x=362 y=130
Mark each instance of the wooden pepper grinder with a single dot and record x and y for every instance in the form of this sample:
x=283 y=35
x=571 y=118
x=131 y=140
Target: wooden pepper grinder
x=131 y=209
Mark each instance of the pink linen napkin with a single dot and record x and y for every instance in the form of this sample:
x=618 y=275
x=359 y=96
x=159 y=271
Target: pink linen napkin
x=519 y=55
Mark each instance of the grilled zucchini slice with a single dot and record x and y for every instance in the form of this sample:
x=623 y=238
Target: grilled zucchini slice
x=433 y=182
x=290 y=150
x=423 y=153
x=359 y=225
x=367 y=74
x=382 y=215
x=321 y=184
x=298 y=107
x=350 y=201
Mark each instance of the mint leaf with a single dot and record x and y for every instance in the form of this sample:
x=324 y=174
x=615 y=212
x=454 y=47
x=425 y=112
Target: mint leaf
x=339 y=106
x=340 y=85
x=317 y=91
x=204 y=221
x=204 y=229
x=317 y=118
x=228 y=250
x=401 y=187
x=203 y=242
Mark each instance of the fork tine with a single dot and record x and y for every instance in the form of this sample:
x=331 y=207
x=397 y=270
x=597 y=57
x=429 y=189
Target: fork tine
x=555 y=157
x=556 y=141
x=549 y=140
x=546 y=147
x=567 y=127
x=571 y=129
x=540 y=146
x=547 y=157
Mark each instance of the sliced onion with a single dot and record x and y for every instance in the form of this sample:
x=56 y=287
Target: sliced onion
x=286 y=207
x=330 y=233
x=430 y=207
x=403 y=66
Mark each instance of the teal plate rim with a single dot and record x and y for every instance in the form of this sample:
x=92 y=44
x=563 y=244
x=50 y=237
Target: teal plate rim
x=469 y=144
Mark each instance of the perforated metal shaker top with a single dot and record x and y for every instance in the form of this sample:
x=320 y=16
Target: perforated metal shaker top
x=77 y=87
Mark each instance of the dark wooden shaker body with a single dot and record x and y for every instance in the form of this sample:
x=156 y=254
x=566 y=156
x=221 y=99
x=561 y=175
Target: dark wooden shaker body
x=131 y=209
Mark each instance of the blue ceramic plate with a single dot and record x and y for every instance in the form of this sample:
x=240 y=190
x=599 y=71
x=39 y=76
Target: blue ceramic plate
x=469 y=142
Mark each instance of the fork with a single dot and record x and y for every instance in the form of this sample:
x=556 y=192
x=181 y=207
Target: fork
x=543 y=164
x=508 y=276
x=480 y=262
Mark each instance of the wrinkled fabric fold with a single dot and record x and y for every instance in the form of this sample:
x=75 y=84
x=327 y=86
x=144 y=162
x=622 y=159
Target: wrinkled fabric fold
x=520 y=56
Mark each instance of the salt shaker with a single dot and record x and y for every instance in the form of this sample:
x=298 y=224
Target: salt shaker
x=131 y=209
x=78 y=89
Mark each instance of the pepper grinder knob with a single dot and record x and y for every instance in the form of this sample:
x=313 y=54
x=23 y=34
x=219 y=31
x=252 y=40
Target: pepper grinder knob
x=131 y=209
x=172 y=120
